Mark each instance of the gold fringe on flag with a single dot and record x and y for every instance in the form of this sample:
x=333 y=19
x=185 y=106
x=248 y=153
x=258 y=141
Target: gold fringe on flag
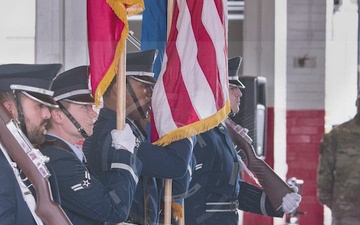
x=177 y=210
x=195 y=128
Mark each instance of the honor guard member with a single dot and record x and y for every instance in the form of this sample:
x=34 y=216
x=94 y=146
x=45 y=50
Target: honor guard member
x=216 y=191
x=169 y=162
x=25 y=93
x=85 y=200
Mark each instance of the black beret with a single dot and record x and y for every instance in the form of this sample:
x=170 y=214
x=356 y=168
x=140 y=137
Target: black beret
x=73 y=85
x=233 y=67
x=139 y=65
x=32 y=79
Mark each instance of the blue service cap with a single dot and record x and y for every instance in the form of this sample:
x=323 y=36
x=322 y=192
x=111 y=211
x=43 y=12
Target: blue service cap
x=139 y=65
x=73 y=85
x=233 y=68
x=34 y=80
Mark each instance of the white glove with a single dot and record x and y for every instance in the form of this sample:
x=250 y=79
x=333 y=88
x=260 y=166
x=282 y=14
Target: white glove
x=123 y=139
x=291 y=201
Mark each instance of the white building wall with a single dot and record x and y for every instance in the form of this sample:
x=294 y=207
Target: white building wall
x=341 y=65
x=61 y=32
x=17 y=31
x=326 y=37
x=306 y=41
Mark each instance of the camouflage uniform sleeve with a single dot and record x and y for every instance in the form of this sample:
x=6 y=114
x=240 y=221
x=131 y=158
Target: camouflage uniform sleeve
x=325 y=179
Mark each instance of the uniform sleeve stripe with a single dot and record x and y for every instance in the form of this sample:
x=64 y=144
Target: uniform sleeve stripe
x=190 y=170
x=125 y=167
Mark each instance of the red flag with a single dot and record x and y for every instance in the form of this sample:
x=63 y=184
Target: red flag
x=191 y=94
x=107 y=32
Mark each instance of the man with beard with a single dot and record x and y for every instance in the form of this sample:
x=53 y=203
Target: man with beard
x=170 y=162
x=85 y=200
x=216 y=191
x=25 y=93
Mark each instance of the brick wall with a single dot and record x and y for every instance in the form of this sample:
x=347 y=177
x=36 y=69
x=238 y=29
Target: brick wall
x=304 y=132
x=306 y=99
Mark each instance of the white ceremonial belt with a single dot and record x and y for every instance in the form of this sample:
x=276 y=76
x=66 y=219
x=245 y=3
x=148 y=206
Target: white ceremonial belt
x=222 y=206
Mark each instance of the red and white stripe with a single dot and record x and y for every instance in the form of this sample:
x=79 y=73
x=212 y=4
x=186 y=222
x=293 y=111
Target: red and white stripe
x=193 y=82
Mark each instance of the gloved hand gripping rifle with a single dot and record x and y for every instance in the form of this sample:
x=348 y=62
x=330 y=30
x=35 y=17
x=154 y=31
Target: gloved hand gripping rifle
x=274 y=187
x=32 y=163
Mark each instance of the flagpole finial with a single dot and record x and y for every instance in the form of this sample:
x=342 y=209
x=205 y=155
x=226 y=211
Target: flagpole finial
x=133 y=40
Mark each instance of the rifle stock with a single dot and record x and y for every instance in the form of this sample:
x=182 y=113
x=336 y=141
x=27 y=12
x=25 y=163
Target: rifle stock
x=274 y=187
x=32 y=163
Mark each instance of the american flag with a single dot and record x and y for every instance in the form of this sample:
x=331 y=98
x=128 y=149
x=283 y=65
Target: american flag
x=191 y=94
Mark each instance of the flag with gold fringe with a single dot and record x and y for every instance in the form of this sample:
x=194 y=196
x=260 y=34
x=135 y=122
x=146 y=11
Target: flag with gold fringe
x=191 y=94
x=107 y=32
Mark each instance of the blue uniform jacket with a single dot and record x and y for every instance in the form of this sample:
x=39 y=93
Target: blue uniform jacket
x=216 y=190
x=158 y=162
x=85 y=200
x=13 y=208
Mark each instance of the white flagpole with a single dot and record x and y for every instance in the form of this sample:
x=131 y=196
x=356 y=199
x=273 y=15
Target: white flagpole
x=168 y=182
x=121 y=93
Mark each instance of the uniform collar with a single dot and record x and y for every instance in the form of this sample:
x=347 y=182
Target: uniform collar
x=78 y=152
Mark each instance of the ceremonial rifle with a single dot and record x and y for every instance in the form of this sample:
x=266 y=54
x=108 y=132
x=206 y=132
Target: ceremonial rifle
x=274 y=187
x=32 y=163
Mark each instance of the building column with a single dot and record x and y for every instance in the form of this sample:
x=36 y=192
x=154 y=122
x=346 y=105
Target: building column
x=264 y=51
x=61 y=33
